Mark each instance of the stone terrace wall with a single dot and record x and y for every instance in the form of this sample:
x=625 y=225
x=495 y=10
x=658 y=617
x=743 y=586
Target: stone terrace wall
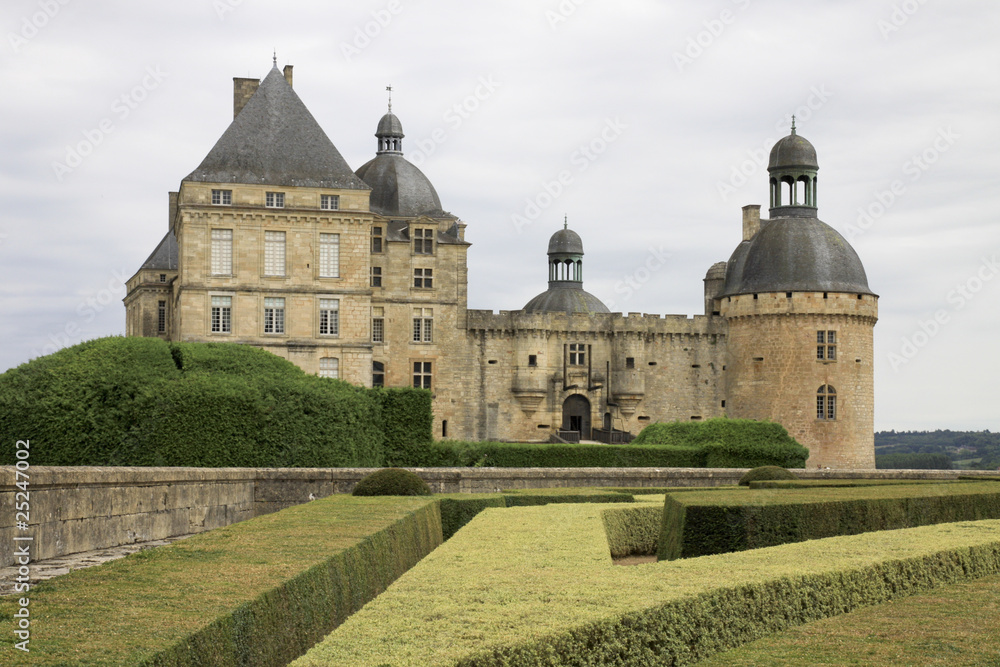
x=88 y=508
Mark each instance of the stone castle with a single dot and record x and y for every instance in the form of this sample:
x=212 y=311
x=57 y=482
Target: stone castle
x=274 y=241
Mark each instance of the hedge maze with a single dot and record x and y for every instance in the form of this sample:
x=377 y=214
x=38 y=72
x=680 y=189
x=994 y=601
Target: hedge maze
x=524 y=578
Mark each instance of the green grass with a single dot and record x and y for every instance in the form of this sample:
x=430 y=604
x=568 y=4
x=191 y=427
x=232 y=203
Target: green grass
x=258 y=592
x=547 y=593
x=951 y=626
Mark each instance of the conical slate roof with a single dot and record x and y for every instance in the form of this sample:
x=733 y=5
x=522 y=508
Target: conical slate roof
x=276 y=141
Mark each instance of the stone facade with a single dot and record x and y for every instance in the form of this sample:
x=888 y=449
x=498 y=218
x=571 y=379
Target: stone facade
x=391 y=263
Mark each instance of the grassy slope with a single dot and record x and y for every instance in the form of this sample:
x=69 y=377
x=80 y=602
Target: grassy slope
x=551 y=575
x=953 y=626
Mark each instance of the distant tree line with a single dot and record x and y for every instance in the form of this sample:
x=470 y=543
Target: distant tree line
x=940 y=450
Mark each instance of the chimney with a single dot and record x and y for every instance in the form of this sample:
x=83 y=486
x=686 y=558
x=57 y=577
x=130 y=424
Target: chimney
x=751 y=221
x=288 y=75
x=243 y=90
x=172 y=209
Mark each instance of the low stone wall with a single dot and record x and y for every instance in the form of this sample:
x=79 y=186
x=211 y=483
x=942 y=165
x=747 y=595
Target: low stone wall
x=83 y=509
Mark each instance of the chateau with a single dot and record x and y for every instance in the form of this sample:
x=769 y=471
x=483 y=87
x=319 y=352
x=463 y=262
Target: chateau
x=274 y=241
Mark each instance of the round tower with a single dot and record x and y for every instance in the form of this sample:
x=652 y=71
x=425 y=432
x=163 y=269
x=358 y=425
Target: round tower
x=800 y=320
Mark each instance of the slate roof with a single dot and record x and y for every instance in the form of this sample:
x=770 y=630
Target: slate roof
x=399 y=188
x=566 y=241
x=276 y=141
x=165 y=255
x=793 y=151
x=795 y=254
x=565 y=297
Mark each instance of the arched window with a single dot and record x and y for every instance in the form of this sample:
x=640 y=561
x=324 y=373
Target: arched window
x=826 y=403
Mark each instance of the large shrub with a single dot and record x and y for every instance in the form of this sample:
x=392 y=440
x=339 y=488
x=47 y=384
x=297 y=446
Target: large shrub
x=143 y=401
x=392 y=482
x=766 y=473
x=407 y=422
x=730 y=443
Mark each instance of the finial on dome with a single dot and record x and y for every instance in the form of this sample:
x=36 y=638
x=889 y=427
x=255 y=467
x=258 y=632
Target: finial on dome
x=389 y=88
x=565 y=221
x=793 y=124
x=275 y=59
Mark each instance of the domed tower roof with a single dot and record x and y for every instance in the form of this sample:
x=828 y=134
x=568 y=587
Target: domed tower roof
x=399 y=189
x=565 y=293
x=794 y=251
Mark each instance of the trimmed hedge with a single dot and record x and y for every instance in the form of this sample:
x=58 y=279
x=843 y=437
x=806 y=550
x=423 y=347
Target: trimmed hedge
x=713 y=523
x=256 y=593
x=558 y=600
x=769 y=473
x=447 y=453
x=632 y=531
x=730 y=443
x=146 y=402
x=391 y=482
x=844 y=483
x=407 y=422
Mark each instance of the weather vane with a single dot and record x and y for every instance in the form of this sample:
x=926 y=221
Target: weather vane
x=565 y=221
x=389 y=88
x=793 y=123
x=276 y=57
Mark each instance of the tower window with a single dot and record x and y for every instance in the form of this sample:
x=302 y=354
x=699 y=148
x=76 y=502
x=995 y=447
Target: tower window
x=422 y=374
x=161 y=316
x=423 y=325
x=377 y=239
x=423 y=241
x=378 y=324
x=423 y=278
x=532 y=359
x=163 y=277
x=826 y=345
x=222 y=314
x=378 y=374
x=274 y=315
x=376 y=276
x=329 y=317
x=826 y=403
x=274 y=200
x=329 y=202
x=329 y=367
x=577 y=354
x=629 y=362
x=222 y=197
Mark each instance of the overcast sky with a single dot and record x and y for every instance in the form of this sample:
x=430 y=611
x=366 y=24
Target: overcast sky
x=646 y=123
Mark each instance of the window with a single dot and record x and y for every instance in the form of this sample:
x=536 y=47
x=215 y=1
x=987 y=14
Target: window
x=378 y=374
x=532 y=359
x=329 y=255
x=577 y=354
x=329 y=202
x=377 y=239
x=161 y=316
x=378 y=325
x=629 y=362
x=222 y=252
x=222 y=314
x=423 y=278
x=422 y=374
x=329 y=317
x=274 y=315
x=274 y=199
x=222 y=197
x=376 y=276
x=329 y=367
x=826 y=403
x=826 y=345
x=163 y=277
x=423 y=325
x=423 y=241
x=274 y=253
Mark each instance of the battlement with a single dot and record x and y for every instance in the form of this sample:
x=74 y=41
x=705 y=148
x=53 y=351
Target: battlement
x=645 y=323
x=800 y=303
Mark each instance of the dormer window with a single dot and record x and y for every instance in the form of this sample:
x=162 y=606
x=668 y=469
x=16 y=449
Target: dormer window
x=423 y=241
